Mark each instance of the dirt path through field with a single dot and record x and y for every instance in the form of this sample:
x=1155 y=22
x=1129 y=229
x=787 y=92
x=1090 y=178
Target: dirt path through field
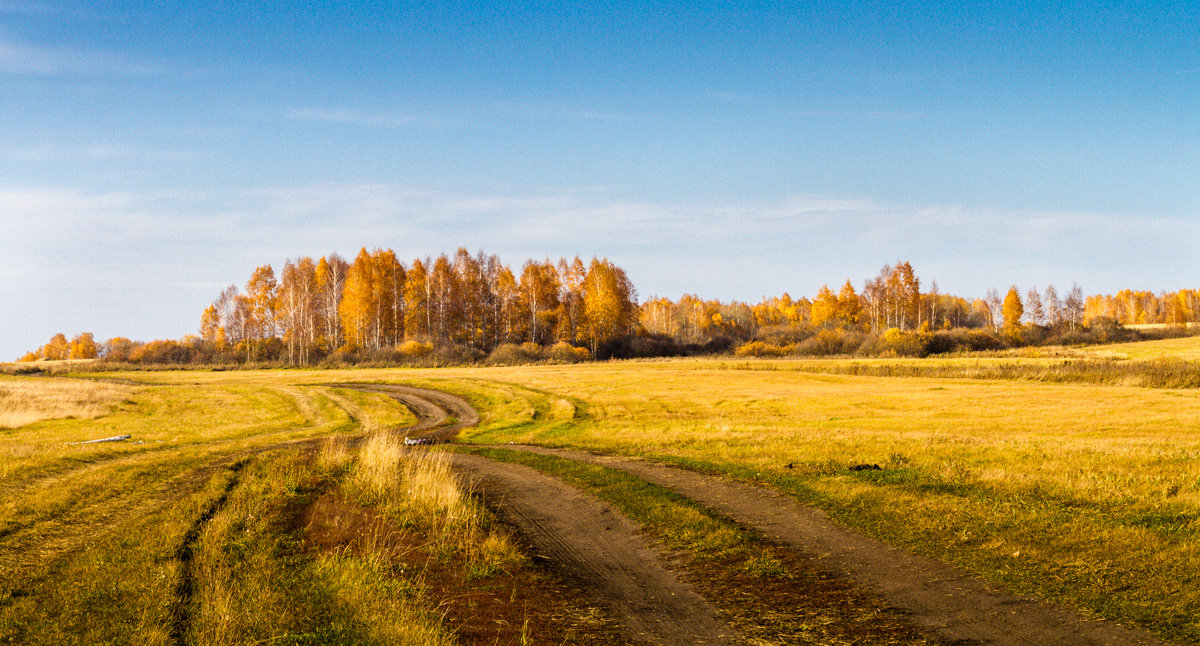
x=956 y=606
x=600 y=549
x=582 y=536
x=440 y=415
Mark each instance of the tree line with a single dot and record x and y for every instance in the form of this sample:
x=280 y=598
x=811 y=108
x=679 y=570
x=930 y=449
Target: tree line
x=467 y=308
x=893 y=314
x=317 y=307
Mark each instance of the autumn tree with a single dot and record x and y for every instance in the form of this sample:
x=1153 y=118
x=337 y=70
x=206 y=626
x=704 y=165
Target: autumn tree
x=1053 y=306
x=609 y=302
x=1073 y=306
x=571 y=277
x=1013 y=310
x=331 y=283
x=539 y=291
x=445 y=301
x=210 y=327
x=509 y=311
x=825 y=308
x=849 y=307
x=418 y=319
x=83 y=346
x=360 y=303
x=1035 y=312
x=893 y=298
x=57 y=348
x=474 y=294
x=298 y=308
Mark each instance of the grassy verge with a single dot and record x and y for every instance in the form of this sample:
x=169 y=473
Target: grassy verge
x=220 y=523
x=772 y=595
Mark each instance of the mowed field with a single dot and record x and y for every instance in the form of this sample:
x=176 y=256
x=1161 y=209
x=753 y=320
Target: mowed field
x=1085 y=494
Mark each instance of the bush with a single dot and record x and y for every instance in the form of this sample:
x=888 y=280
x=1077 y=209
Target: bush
x=895 y=343
x=412 y=349
x=761 y=349
x=511 y=354
x=453 y=354
x=824 y=343
x=782 y=335
x=566 y=353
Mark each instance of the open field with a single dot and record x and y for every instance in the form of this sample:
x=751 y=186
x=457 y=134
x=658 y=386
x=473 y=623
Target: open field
x=23 y=401
x=1086 y=494
x=1187 y=347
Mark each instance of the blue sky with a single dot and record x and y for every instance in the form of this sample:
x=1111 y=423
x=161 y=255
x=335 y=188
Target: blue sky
x=153 y=152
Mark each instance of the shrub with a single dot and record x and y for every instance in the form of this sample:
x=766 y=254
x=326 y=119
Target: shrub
x=511 y=354
x=901 y=344
x=412 y=349
x=453 y=354
x=824 y=343
x=783 y=334
x=761 y=349
x=566 y=353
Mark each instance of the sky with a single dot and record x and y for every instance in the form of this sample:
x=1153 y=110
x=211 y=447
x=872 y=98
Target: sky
x=152 y=153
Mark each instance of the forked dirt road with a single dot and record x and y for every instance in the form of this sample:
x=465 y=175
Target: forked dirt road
x=604 y=550
x=581 y=535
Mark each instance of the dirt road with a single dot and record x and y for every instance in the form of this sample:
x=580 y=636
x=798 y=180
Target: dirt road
x=956 y=606
x=601 y=550
x=580 y=535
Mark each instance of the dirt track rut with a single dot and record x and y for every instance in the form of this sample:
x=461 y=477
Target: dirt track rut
x=593 y=543
x=955 y=605
x=580 y=535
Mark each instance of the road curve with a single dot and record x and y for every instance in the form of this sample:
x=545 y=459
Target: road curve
x=955 y=605
x=582 y=536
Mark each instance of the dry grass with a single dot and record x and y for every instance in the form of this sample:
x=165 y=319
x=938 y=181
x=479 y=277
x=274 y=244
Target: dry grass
x=1088 y=494
x=28 y=400
x=1187 y=347
x=418 y=487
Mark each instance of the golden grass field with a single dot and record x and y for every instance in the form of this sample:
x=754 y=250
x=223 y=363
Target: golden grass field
x=1085 y=494
x=1182 y=348
x=23 y=401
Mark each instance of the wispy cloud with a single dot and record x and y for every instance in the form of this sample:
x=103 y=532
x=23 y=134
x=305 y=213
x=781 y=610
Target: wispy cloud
x=560 y=112
x=97 y=152
x=14 y=7
x=372 y=119
x=873 y=115
x=35 y=60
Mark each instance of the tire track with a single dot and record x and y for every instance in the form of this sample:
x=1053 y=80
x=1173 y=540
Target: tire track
x=600 y=549
x=186 y=587
x=954 y=604
x=581 y=536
